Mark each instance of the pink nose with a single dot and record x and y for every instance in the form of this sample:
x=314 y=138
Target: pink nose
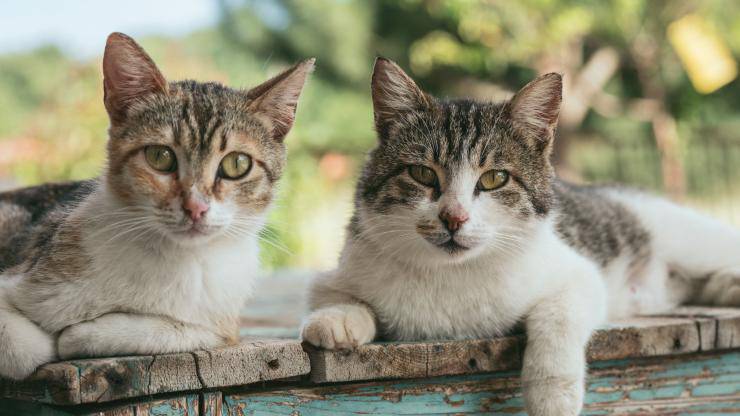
x=453 y=219
x=195 y=208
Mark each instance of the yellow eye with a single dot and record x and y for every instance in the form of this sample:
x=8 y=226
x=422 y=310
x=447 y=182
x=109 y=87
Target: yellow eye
x=160 y=158
x=235 y=165
x=493 y=179
x=423 y=175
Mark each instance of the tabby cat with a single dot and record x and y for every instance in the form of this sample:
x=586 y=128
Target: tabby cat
x=159 y=254
x=461 y=230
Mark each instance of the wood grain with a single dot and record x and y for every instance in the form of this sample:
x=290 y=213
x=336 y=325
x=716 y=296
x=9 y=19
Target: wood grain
x=699 y=383
x=106 y=379
x=688 y=330
x=685 y=331
x=251 y=362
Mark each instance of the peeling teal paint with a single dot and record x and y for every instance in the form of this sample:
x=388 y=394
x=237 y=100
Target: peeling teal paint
x=696 y=384
x=659 y=393
x=716 y=389
x=657 y=382
x=599 y=397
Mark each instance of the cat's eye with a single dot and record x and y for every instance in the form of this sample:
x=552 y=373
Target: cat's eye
x=423 y=175
x=235 y=165
x=160 y=158
x=493 y=179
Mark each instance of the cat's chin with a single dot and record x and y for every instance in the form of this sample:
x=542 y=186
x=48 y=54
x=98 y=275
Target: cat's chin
x=194 y=236
x=450 y=252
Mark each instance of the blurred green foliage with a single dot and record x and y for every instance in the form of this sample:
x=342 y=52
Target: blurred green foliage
x=52 y=121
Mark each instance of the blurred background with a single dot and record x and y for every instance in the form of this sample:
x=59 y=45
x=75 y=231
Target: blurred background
x=651 y=96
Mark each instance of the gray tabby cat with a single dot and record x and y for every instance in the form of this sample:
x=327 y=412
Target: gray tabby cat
x=461 y=230
x=160 y=253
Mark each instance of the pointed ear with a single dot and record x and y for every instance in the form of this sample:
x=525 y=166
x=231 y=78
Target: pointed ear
x=394 y=92
x=129 y=74
x=276 y=100
x=535 y=108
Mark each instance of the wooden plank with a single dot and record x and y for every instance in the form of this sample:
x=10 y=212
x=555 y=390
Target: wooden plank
x=53 y=383
x=105 y=379
x=379 y=360
x=251 y=362
x=643 y=337
x=451 y=358
x=719 y=327
x=685 y=331
x=410 y=360
x=698 y=383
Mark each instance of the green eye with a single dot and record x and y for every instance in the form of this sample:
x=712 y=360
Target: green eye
x=235 y=165
x=423 y=175
x=493 y=179
x=161 y=158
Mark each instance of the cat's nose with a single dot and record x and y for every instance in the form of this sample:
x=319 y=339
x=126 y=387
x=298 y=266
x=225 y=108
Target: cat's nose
x=195 y=208
x=453 y=219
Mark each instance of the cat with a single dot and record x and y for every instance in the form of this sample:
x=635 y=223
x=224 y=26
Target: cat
x=461 y=230
x=159 y=254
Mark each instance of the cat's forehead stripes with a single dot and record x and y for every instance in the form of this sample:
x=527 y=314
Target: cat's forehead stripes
x=202 y=116
x=460 y=133
x=460 y=139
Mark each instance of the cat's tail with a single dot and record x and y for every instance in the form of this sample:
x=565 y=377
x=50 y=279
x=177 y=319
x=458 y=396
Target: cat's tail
x=699 y=251
x=23 y=345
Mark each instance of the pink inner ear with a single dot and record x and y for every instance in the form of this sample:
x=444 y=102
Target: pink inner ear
x=535 y=108
x=393 y=90
x=128 y=75
x=277 y=98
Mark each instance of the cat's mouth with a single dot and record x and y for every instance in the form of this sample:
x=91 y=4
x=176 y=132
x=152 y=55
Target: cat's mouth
x=195 y=230
x=453 y=247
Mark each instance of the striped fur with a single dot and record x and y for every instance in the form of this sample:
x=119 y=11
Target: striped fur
x=120 y=265
x=449 y=259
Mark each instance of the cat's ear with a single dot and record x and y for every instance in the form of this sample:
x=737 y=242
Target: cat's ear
x=276 y=100
x=535 y=108
x=394 y=93
x=129 y=74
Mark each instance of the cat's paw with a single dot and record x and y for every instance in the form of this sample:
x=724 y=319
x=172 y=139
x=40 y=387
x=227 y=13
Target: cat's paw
x=23 y=347
x=723 y=289
x=76 y=341
x=339 y=327
x=554 y=397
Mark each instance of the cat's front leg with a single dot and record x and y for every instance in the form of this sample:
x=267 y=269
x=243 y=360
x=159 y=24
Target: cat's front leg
x=340 y=327
x=558 y=329
x=131 y=334
x=337 y=321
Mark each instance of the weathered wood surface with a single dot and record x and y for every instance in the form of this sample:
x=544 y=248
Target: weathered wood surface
x=705 y=384
x=688 y=330
x=106 y=379
x=702 y=383
x=259 y=359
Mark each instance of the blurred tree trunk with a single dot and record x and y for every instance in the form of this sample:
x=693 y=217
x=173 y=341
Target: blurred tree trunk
x=645 y=53
x=582 y=84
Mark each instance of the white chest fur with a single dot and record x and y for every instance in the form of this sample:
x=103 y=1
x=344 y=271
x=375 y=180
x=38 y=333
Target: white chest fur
x=200 y=285
x=483 y=298
x=416 y=307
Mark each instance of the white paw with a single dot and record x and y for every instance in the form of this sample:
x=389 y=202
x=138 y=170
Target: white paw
x=339 y=327
x=76 y=341
x=553 y=396
x=729 y=295
x=723 y=289
x=23 y=347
